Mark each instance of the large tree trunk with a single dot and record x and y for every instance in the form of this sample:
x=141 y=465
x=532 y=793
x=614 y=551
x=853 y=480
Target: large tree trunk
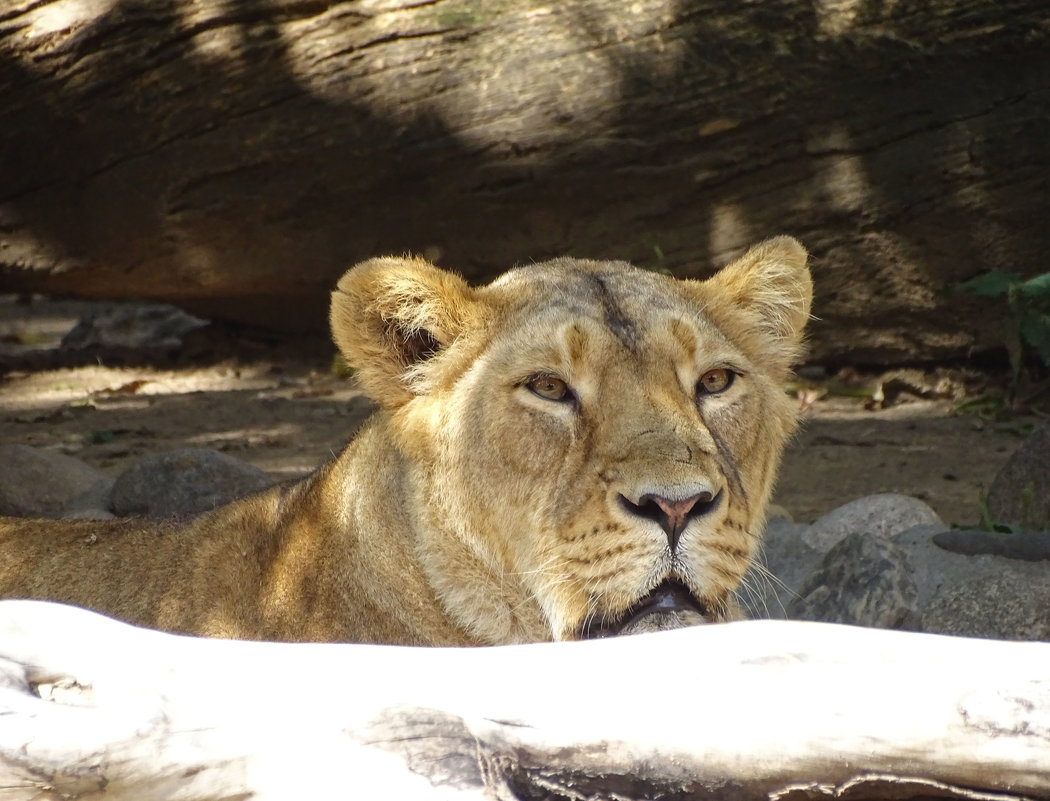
x=92 y=708
x=236 y=155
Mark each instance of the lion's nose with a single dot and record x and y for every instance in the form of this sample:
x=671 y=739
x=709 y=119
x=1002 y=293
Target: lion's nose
x=672 y=515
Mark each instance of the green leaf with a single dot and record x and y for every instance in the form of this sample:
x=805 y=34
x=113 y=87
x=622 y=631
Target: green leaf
x=1035 y=332
x=1036 y=287
x=1006 y=528
x=980 y=404
x=990 y=284
x=340 y=367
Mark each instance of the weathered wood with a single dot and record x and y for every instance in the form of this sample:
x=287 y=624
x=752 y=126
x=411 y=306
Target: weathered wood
x=92 y=708
x=236 y=156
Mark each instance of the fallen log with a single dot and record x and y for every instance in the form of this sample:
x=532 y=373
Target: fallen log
x=94 y=708
x=235 y=157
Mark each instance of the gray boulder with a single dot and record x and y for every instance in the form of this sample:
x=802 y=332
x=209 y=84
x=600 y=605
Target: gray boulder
x=41 y=483
x=865 y=580
x=993 y=606
x=791 y=553
x=981 y=584
x=1020 y=492
x=94 y=504
x=183 y=483
x=884 y=515
x=884 y=571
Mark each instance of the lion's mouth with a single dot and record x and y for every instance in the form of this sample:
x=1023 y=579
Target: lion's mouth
x=669 y=606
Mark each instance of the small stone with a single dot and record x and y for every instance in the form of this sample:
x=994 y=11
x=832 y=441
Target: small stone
x=777 y=512
x=40 y=483
x=885 y=515
x=1020 y=492
x=184 y=483
x=865 y=580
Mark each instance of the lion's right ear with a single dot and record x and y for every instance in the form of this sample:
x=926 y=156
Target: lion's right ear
x=391 y=315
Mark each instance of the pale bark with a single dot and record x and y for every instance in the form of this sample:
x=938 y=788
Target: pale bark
x=93 y=708
x=235 y=156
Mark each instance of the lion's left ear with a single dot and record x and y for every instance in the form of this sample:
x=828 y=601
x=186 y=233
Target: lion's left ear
x=390 y=316
x=770 y=292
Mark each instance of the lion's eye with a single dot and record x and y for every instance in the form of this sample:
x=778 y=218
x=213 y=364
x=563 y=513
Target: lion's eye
x=549 y=387
x=714 y=381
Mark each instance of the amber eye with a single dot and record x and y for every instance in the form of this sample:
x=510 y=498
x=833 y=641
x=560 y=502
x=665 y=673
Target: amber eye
x=714 y=381
x=549 y=387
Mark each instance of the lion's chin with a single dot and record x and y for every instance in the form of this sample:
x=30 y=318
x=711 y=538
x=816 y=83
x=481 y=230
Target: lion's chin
x=669 y=606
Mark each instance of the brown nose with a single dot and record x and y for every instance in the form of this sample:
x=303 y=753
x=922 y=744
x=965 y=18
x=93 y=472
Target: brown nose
x=673 y=516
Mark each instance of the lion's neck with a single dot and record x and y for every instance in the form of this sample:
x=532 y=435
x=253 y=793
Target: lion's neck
x=441 y=585
x=375 y=544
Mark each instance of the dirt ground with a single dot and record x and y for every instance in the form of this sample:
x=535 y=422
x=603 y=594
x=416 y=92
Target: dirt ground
x=283 y=409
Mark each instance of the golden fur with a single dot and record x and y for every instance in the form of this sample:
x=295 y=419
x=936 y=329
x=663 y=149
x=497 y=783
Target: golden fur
x=578 y=448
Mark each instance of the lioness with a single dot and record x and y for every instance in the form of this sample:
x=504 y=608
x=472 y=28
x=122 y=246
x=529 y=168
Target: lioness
x=579 y=448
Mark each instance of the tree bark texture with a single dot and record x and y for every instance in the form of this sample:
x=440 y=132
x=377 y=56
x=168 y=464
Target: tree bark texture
x=95 y=709
x=235 y=156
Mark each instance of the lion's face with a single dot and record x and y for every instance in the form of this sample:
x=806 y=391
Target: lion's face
x=591 y=446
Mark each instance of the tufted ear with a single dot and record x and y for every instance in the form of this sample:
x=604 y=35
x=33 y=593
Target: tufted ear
x=770 y=293
x=390 y=316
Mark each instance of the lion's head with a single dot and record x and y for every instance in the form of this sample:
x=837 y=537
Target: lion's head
x=589 y=447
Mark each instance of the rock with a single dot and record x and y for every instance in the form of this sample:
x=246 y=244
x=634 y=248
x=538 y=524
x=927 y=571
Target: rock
x=997 y=605
x=40 y=483
x=132 y=328
x=777 y=512
x=894 y=564
x=977 y=593
x=884 y=515
x=1032 y=546
x=93 y=504
x=865 y=580
x=183 y=483
x=1020 y=493
x=791 y=553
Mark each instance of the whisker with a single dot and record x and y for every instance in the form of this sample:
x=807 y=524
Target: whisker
x=761 y=577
